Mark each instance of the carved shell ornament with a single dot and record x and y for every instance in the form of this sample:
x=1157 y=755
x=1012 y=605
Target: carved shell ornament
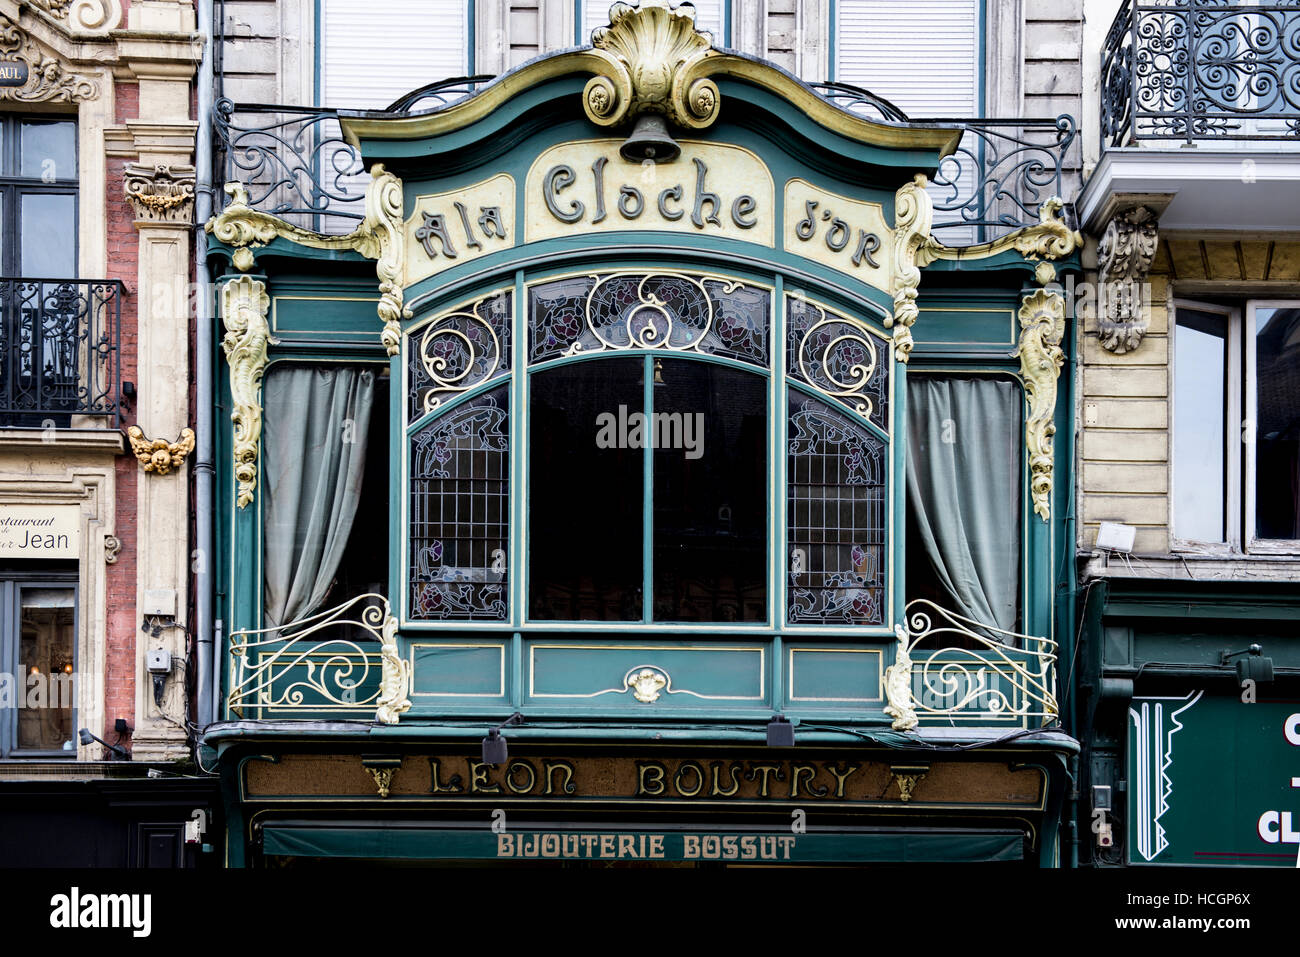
x=655 y=61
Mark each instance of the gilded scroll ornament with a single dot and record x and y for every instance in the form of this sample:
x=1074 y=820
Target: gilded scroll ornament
x=395 y=676
x=379 y=237
x=907 y=777
x=1042 y=326
x=244 y=304
x=1050 y=238
x=160 y=193
x=651 y=59
x=913 y=216
x=48 y=79
x=159 y=455
x=1123 y=260
x=383 y=778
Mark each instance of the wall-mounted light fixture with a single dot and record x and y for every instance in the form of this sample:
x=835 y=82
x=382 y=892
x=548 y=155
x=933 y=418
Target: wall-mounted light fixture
x=118 y=752
x=494 y=745
x=780 y=732
x=1253 y=667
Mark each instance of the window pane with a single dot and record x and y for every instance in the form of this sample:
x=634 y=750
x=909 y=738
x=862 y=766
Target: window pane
x=49 y=236
x=45 y=663
x=585 y=492
x=49 y=150
x=1200 y=393
x=836 y=517
x=459 y=512
x=710 y=508
x=1277 y=435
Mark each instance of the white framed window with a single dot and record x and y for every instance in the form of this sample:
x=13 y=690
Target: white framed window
x=710 y=17
x=373 y=51
x=1235 y=427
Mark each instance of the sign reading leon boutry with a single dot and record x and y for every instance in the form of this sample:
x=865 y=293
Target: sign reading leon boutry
x=40 y=531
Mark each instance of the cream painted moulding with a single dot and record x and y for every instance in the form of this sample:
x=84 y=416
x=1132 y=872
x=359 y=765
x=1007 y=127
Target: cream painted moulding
x=711 y=189
x=848 y=235
x=459 y=226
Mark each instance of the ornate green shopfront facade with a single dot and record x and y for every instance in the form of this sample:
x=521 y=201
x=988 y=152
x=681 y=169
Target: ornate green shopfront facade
x=643 y=421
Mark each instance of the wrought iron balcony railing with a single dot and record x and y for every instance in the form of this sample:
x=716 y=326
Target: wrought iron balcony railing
x=295 y=164
x=59 y=354
x=1201 y=70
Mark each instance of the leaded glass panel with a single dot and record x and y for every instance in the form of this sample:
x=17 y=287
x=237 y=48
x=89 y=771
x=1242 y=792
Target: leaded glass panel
x=457 y=351
x=837 y=356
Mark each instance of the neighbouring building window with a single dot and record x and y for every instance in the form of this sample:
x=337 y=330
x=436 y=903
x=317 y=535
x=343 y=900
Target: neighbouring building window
x=710 y=17
x=373 y=51
x=38 y=197
x=1236 y=425
x=38 y=666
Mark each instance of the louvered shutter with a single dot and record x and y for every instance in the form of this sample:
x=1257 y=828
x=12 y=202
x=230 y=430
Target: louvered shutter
x=376 y=50
x=924 y=57
x=708 y=17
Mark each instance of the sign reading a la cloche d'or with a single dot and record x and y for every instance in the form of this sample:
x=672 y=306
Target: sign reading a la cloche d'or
x=588 y=187
x=40 y=531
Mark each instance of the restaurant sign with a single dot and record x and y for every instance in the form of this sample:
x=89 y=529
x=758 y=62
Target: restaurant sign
x=1214 y=781
x=40 y=531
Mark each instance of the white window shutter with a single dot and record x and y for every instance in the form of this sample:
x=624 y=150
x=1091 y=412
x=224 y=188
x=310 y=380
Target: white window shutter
x=376 y=50
x=708 y=17
x=924 y=57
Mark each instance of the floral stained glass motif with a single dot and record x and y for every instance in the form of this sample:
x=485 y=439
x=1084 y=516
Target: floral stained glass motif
x=457 y=351
x=835 y=517
x=459 y=513
x=838 y=357
x=671 y=311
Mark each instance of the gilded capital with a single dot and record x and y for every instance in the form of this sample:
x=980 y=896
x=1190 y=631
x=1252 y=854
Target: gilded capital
x=161 y=194
x=244 y=304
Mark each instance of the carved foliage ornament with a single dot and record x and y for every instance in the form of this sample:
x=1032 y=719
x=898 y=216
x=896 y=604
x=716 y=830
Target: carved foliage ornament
x=913 y=216
x=1042 y=326
x=244 y=304
x=395 y=677
x=161 y=194
x=1124 y=259
x=159 y=455
x=379 y=237
x=652 y=60
x=48 y=80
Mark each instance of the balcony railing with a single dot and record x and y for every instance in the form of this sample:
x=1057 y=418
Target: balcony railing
x=59 y=353
x=295 y=164
x=1201 y=70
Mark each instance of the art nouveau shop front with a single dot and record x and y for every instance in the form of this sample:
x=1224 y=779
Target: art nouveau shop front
x=642 y=414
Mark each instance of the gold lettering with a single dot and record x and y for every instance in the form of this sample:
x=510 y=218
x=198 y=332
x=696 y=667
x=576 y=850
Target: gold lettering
x=452 y=786
x=766 y=770
x=841 y=776
x=809 y=771
x=548 y=771
x=650 y=779
x=699 y=779
x=717 y=791
x=510 y=777
x=479 y=782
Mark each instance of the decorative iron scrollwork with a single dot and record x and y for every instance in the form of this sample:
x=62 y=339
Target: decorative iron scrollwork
x=838 y=357
x=460 y=350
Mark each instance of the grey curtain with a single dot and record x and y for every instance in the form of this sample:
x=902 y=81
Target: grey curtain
x=963 y=484
x=313 y=454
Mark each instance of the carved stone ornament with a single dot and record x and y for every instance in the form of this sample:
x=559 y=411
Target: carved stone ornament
x=379 y=237
x=913 y=217
x=161 y=194
x=898 y=686
x=1042 y=326
x=395 y=677
x=1124 y=259
x=112 y=546
x=83 y=14
x=48 y=79
x=159 y=455
x=652 y=60
x=244 y=304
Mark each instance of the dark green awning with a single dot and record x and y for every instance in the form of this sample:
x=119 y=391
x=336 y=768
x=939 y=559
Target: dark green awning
x=375 y=840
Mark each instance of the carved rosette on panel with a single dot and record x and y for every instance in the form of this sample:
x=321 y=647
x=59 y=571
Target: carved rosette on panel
x=159 y=455
x=651 y=59
x=1124 y=259
x=244 y=304
x=161 y=194
x=1042 y=326
x=48 y=79
x=913 y=216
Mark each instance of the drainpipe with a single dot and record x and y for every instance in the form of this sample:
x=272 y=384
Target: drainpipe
x=204 y=471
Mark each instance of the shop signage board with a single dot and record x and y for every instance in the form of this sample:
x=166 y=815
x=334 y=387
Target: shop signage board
x=40 y=531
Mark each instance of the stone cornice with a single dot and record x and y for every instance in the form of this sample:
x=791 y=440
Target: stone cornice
x=108 y=441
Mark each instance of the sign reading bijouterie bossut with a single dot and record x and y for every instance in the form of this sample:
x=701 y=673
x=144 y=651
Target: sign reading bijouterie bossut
x=40 y=531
